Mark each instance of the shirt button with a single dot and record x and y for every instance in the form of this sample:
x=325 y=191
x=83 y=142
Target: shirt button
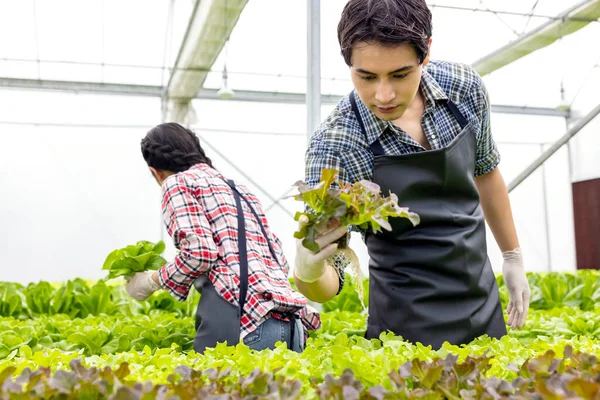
x=268 y=296
x=433 y=136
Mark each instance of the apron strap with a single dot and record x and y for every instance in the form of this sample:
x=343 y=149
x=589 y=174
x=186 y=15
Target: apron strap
x=260 y=224
x=375 y=147
x=462 y=121
x=242 y=247
x=244 y=262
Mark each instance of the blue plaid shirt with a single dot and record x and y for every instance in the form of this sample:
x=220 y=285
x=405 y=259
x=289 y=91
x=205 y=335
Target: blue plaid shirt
x=340 y=144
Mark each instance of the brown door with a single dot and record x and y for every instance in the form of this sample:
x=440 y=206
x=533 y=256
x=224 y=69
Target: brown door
x=586 y=216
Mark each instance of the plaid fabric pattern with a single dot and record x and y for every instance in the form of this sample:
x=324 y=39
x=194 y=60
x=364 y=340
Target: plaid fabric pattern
x=200 y=214
x=339 y=143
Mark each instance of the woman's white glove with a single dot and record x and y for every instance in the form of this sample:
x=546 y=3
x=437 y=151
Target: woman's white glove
x=141 y=285
x=518 y=288
x=309 y=266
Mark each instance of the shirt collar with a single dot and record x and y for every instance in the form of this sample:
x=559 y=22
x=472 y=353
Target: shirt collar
x=431 y=89
x=375 y=126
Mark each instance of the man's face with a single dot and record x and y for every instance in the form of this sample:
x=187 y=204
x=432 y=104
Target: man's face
x=386 y=78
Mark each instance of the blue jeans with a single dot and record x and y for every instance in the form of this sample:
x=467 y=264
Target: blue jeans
x=272 y=331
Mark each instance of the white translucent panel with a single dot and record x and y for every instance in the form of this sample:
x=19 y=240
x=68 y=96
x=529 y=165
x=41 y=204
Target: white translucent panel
x=96 y=41
x=274 y=47
x=249 y=116
x=69 y=30
x=132 y=76
x=336 y=86
x=552 y=7
x=134 y=32
x=72 y=194
x=509 y=6
x=543 y=252
x=257 y=82
x=580 y=65
x=519 y=128
x=70 y=72
x=19 y=69
x=585 y=97
x=86 y=109
x=560 y=218
x=456 y=34
x=76 y=194
x=469 y=4
x=586 y=146
x=535 y=80
x=182 y=11
x=17 y=30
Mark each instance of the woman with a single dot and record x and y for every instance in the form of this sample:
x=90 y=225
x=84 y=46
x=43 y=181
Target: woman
x=226 y=250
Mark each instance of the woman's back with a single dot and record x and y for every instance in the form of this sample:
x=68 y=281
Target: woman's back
x=200 y=211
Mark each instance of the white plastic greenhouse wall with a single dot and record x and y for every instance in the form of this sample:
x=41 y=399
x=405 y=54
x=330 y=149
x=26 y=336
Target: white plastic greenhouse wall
x=74 y=185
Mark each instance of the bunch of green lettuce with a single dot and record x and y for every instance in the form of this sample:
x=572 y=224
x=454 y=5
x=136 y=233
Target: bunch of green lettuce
x=360 y=204
x=142 y=256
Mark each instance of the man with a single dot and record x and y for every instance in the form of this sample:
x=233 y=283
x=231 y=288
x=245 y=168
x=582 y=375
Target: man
x=419 y=129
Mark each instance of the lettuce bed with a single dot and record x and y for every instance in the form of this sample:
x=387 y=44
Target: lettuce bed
x=90 y=340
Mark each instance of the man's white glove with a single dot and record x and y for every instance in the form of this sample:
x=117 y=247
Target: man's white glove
x=141 y=285
x=518 y=288
x=309 y=266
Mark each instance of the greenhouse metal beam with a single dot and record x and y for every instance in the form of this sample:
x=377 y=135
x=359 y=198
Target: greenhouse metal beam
x=82 y=87
x=313 y=67
x=578 y=126
x=566 y=23
x=300 y=98
x=211 y=94
x=506 y=12
x=208 y=30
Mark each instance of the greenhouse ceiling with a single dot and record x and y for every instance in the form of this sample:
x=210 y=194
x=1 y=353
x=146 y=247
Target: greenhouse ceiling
x=176 y=49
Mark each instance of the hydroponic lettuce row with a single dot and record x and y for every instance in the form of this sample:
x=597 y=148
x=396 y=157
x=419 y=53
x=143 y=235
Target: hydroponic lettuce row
x=50 y=326
x=79 y=299
x=572 y=375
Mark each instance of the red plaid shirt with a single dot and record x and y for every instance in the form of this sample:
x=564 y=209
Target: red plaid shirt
x=201 y=216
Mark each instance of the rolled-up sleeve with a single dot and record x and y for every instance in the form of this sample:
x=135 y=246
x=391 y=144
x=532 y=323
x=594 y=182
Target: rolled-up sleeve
x=192 y=236
x=487 y=156
x=318 y=157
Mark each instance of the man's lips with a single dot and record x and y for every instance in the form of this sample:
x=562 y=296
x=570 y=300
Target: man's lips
x=386 y=109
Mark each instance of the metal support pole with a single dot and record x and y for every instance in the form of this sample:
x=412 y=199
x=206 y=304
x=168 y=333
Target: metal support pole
x=546 y=213
x=313 y=72
x=554 y=148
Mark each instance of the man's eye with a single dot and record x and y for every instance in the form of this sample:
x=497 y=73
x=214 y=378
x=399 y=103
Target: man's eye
x=367 y=78
x=400 y=76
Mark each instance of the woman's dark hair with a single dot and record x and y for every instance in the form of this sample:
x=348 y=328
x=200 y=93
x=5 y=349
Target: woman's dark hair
x=387 y=22
x=171 y=147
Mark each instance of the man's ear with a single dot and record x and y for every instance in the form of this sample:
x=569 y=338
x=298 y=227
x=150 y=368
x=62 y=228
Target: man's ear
x=426 y=60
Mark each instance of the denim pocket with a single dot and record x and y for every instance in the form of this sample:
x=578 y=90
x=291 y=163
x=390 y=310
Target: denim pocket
x=254 y=337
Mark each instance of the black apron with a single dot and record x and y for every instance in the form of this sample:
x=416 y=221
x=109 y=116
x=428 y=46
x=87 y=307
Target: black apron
x=217 y=320
x=434 y=282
